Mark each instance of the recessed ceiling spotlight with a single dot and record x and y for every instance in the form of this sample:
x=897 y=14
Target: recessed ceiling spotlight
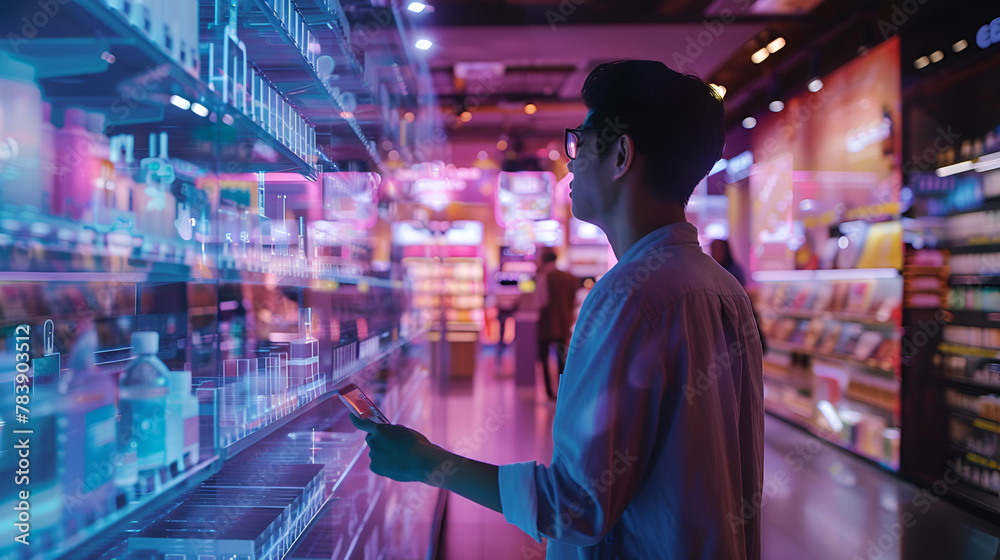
x=776 y=106
x=530 y=108
x=180 y=102
x=936 y=56
x=775 y=45
x=759 y=56
x=749 y=123
x=466 y=116
x=960 y=46
x=416 y=7
x=921 y=62
x=423 y=44
x=815 y=85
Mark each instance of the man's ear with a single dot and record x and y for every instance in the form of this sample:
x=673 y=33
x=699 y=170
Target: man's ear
x=624 y=155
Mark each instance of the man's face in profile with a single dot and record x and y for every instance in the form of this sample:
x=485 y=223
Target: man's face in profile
x=588 y=186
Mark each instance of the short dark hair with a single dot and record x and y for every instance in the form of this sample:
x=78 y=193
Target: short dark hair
x=675 y=120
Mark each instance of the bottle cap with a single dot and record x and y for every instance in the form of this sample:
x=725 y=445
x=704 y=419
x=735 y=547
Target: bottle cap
x=146 y=342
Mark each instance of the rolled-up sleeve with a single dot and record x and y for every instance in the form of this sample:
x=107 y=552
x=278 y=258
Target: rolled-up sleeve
x=519 y=498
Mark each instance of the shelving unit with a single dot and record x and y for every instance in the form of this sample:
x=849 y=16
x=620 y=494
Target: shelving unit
x=146 y=250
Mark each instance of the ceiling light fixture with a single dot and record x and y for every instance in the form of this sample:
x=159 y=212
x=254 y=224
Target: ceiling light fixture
x=921 y=62
x=466 y=116
x=749 y=123
x=960 y=46
x=530 y=108
x=199 y=109
x=416 y=7
x=775 y=45
x=759 y=56
x=501 y=144
x=815 y=85
x=423 y=44
x=776 y=106
x=409 y=116
x=936 y=56
x=180 y=102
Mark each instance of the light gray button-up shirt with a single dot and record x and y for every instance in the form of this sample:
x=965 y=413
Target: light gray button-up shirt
x=658 y=432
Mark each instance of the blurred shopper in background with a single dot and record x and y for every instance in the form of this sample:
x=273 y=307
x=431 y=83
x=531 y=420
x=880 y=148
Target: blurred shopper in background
x=557 y=291
x=724 y=256
x=658 y=436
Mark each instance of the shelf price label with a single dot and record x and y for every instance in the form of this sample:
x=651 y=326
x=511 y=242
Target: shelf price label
x=986 y=425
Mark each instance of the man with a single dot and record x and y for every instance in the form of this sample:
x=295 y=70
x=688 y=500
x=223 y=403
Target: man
x=658 y=432
x=558 y=289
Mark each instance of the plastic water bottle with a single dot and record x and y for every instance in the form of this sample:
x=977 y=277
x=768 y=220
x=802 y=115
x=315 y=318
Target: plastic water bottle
x=142 y=401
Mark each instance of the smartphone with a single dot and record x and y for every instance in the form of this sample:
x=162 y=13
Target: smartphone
x=360 y=405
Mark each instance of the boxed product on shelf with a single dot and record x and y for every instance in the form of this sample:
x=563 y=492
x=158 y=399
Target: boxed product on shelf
x=980 y=337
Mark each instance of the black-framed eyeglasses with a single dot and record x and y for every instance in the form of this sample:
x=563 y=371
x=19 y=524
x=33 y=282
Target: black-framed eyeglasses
x=573 y=140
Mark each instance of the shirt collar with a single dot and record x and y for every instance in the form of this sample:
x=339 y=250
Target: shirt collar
x=672 y=234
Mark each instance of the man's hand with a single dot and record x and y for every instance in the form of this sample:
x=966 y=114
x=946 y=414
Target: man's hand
x=405 y=455
x=399 y=453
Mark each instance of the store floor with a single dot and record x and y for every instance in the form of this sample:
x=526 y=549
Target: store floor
x=822 y=503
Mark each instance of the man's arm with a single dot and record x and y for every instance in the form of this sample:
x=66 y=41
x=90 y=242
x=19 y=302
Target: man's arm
x=405 y=455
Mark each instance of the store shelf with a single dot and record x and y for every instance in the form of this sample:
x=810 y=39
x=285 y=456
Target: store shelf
x=987 y=205
x=976 y=495
x=772 y=374
x=272 y=49
x=87 y=28
x=829 y=275
x=969 y=351
x=336 y=379
x=870 y=407
x=792 y=418
x=786 y=347
x=171 y=490
x=973 y=279
x=844 y=316
x=991 y=246
x=974 y=318
x=971 y=383
x=977 y=421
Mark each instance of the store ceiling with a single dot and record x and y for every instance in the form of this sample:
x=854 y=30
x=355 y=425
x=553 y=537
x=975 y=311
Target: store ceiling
x=540 y=51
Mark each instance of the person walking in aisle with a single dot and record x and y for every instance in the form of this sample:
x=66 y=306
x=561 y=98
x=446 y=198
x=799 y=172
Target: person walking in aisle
x=658 y=431
x=558 y=299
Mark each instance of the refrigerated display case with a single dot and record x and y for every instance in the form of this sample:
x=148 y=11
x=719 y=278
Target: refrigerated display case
x=183 y=169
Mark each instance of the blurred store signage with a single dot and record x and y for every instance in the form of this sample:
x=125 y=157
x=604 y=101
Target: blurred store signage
x=351 y=197
x=523 y=195
x=738 y=167
x=988 y=34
